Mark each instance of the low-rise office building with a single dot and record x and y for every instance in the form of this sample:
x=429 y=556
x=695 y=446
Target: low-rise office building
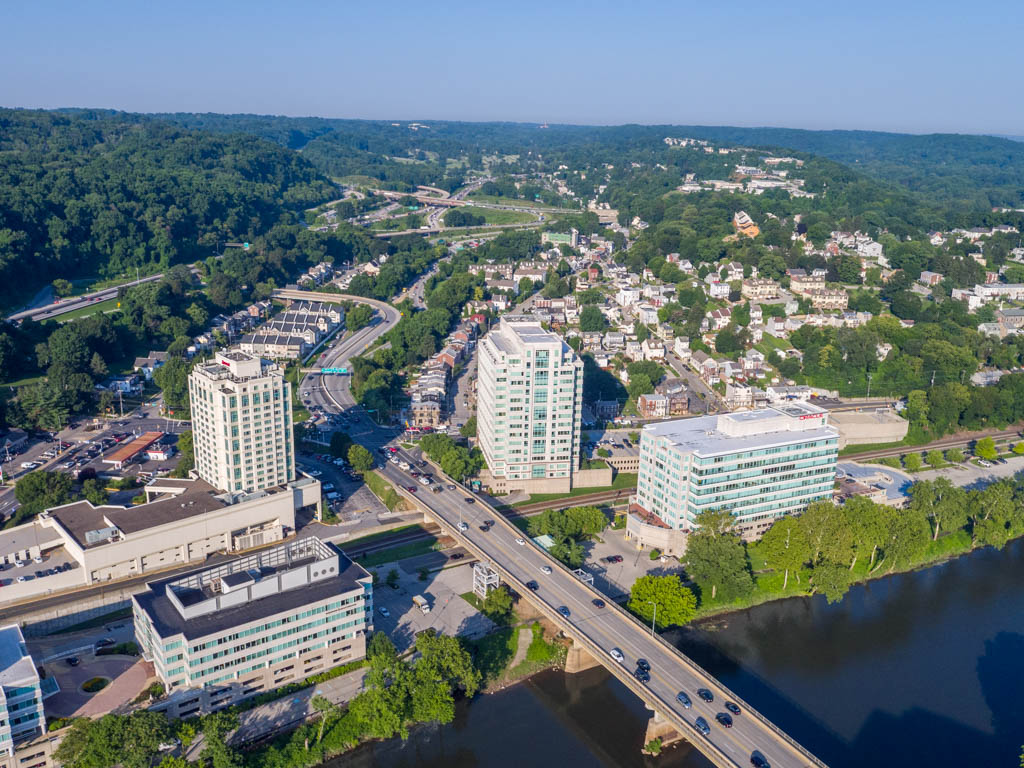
x=758 y=465
x=230 y=631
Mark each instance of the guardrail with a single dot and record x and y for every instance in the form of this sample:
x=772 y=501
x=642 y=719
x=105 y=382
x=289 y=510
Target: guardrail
x=599 y=652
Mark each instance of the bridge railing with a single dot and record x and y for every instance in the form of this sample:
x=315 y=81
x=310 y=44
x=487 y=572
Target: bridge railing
x=683 y=658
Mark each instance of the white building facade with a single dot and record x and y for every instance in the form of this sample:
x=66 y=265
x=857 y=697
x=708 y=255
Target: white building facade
x=242 y=423
x=530 y=401
x=759 y=465
x=225 y=633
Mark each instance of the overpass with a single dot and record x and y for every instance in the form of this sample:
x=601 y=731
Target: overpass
x=596 y=630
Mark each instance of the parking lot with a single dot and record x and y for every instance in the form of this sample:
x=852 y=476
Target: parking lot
x=616 y=579
x=449 y=613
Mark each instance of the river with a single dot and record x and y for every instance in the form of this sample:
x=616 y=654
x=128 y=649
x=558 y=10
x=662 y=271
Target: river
x=916 y=669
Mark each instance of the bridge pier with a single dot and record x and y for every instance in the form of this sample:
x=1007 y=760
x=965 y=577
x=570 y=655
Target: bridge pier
x=579 y=659
x=660 y=728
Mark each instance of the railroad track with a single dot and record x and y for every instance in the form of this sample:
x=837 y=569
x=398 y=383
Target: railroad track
x=949 y=442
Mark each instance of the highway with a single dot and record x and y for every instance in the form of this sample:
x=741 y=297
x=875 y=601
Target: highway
x=77 y=302
x=599 y=629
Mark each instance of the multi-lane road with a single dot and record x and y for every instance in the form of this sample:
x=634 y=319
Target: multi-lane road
x=600 y=629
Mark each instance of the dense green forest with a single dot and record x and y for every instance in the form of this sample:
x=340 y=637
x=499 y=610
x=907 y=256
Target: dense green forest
x=91 y=193
x=974 y=171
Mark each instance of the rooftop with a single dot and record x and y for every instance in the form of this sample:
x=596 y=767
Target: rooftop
x=246 y=589
x=16 y=666
x=745 y=430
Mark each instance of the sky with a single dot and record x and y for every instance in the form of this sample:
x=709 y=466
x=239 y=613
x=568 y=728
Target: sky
x=903 y=66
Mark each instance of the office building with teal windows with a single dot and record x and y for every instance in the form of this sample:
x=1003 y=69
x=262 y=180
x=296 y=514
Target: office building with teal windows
x=230 y=631
x=21 y=695
x=758 y=465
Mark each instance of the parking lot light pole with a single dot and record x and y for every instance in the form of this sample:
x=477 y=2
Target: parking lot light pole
x=655 y=617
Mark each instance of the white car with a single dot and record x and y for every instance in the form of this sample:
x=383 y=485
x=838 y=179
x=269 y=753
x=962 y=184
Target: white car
x=28 y=465
x=463 y=526
x=980 y=461
x=521 y=541
x=616 y=654
x=546 y=570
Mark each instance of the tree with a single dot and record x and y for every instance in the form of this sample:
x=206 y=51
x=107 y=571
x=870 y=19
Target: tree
x=497 y=606
x=325 y=707
x=62 y=287
x=340 y=443
x=172 y=378
x=442 y=657
x=381 y=645
x=469 y=428
x=131 y=741
x=97 y=366
x=392 y=580
x=358 y=317
x=912 y=461
x=360 y=458
x=827 y=533
x=985 y=448
x=1018 y=448
x=39 y=490
x=832 y=580
x=716 y=558
x=675 y=604
x=934 y=458
x=954 y=455
x=942 y=502
x=591 y=319
x=784 y=547
x=94 y=492
x=216 y=727
x=188 y=456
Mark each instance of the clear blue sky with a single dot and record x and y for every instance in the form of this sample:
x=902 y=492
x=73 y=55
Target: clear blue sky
x=895 y=65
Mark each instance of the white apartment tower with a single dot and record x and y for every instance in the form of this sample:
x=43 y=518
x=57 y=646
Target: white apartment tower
x=241 y=423
x=530 y=394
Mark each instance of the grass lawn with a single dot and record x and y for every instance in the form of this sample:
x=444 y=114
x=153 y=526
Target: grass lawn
x=769 y=343
x=492 y=653
x=382 y=489
x=97 y=621
x=853 y=450
x=514 y=203
x=401 y=552
x=100 y=306
x=495 y=216
x=622 y=480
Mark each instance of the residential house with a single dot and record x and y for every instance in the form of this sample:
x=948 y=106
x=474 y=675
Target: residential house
x=647 y=314
x=759 y=288
x=652 y=406
x=652 y=350
x=744 y=225
x=718 y=290
x=681 y=347
x=829 y=298
x=720 y=318
x=929 y=278
x=146 y=365
x=627 y=297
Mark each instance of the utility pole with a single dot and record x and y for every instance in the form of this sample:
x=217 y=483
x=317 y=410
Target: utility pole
x=869 y=385
x=655 y=617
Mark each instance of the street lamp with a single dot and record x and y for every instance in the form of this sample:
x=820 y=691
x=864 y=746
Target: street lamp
x=655 y=617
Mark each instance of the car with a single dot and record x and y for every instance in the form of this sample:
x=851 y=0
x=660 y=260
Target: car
x=546 y=570
x=520 y=541
x=457 y=556
x=643 y=664
x=702 y=726
x=19 y=563
x=37 y=559
x=642 y=675
x=71 y=661
x=411 y=489
x=732 y=708
x=392 y=449
x=469 y=500
x=383 y=611
x=28 y=465
x=104 y=642
x=421 y=463
x=414 y=473
x=66 y=567
x=39 y=574
x=463 y=526
x=597 y=602
x=450 y=486
x=564 y=611
x=683 y=699
x=22 y=579
x=533 y=586
x=616 y=654
x=724 y=719
x=982 y=462
x=705 y=694
x=758 y=760
x=393 y=459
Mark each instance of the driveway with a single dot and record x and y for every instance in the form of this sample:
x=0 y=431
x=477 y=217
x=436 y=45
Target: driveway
x=894 y=481
x=129 y=676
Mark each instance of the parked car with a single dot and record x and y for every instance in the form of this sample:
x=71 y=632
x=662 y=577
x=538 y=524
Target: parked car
x=71 y=661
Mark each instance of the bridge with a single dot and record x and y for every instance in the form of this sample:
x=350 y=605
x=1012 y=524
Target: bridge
x=595 y=631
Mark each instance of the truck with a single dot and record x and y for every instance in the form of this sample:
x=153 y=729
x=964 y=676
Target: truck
x=421 y=602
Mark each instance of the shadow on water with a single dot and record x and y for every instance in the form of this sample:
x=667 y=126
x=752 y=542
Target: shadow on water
x=915 y=669
x=588 y=720
x=921 y=668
